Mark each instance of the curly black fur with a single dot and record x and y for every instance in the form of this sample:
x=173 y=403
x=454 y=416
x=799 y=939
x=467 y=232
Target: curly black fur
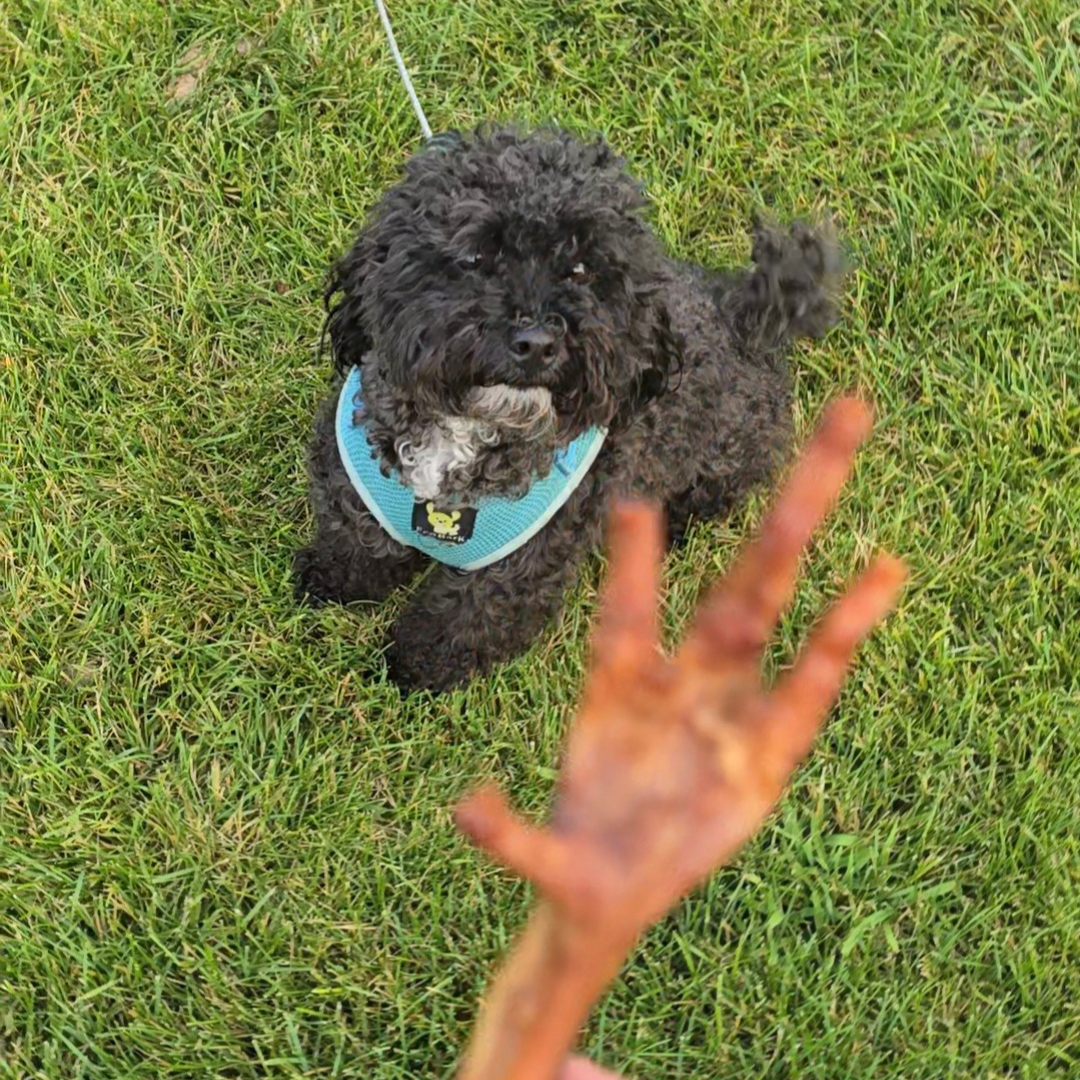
x=499 y=230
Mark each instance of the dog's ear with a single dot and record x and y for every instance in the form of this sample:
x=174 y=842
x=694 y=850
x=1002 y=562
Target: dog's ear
x=662 y=351
x=343 y=299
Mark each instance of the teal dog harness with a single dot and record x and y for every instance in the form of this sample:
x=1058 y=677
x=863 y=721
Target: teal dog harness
x=466 y=537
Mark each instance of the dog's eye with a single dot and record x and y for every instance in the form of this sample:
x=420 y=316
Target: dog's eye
x=471 y=260
x=578 y=272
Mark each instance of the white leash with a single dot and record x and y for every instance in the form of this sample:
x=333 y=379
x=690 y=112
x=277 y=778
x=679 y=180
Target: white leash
x=425 y=127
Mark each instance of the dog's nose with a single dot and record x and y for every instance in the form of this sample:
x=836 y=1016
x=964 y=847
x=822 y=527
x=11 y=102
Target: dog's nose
x=536 y=346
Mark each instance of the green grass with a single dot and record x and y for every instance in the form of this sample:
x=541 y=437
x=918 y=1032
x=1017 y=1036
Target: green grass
x=223 y=853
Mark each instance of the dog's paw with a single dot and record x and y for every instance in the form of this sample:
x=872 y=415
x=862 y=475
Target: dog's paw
x=420 y=658
x=428 y=671
x=320 y=578
x=309 y=578
x=325 y=576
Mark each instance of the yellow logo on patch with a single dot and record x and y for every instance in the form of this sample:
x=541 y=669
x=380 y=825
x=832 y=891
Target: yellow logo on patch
x=449 y=526
x=443 y=524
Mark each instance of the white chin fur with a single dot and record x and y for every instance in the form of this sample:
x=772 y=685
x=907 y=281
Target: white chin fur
x=449 y=444
x=510 y=406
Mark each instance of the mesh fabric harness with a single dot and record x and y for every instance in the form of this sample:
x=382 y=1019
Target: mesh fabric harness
x=467 y=539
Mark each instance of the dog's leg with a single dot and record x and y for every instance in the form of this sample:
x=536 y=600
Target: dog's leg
x=461 y=624
x=789 y=292
x=742 y=433
x=709 y=497
x=738 y=462
x=351 y=557
x=339 y=567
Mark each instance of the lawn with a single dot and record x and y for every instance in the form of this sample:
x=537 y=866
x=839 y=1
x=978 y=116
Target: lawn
x=225 y=851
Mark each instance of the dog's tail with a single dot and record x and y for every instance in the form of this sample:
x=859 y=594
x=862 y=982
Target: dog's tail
x=791 y=290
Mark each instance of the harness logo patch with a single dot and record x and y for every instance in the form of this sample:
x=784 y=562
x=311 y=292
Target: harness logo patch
x=450 y=526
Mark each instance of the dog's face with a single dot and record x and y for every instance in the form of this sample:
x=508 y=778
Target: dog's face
x=509 y=269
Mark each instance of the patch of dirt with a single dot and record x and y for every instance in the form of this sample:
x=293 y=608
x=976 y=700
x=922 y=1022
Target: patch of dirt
x=192 y=65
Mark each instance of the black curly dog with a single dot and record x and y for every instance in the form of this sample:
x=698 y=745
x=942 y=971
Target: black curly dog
x=502 y=298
